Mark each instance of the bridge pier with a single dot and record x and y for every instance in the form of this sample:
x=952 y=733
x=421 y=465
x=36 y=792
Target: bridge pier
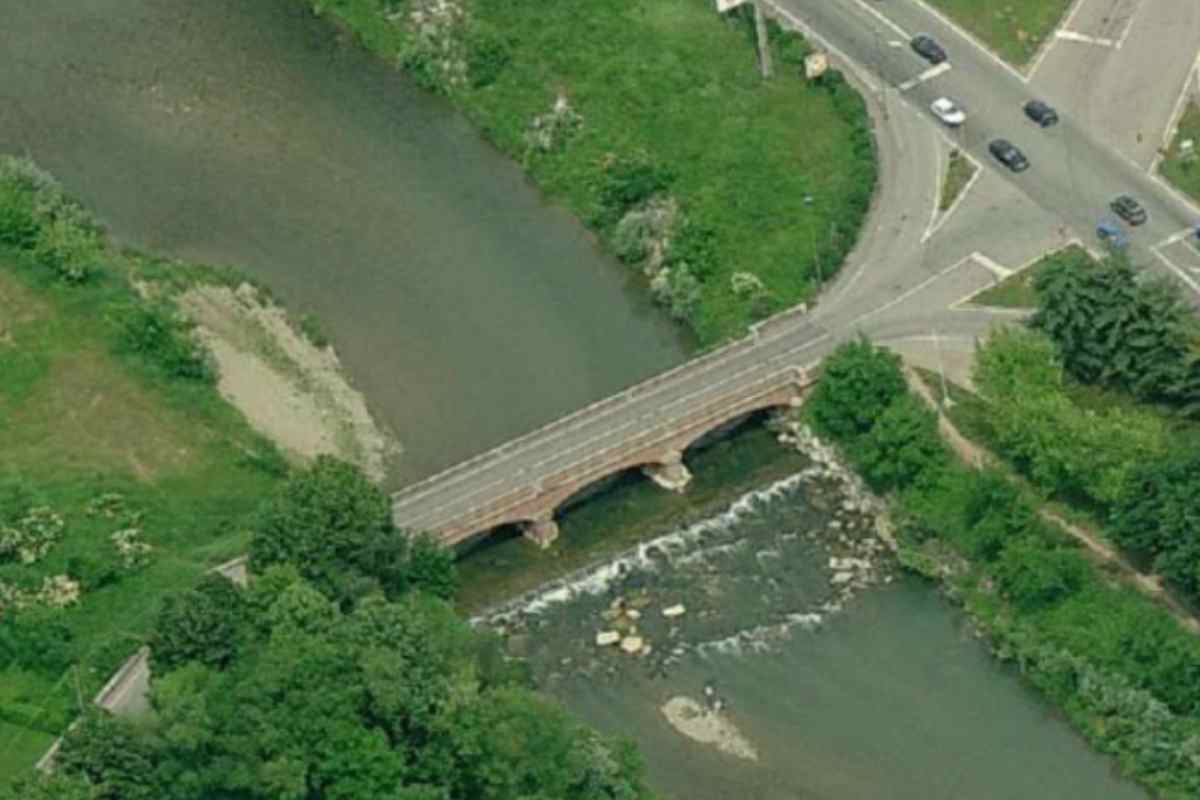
x=541 y=532
x=670 y=473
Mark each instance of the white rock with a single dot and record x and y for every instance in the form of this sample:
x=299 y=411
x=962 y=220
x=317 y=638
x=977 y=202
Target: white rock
x=631 y=644
x=841 y=577
x=676 y=610
x=605 y=638
x=633 y=613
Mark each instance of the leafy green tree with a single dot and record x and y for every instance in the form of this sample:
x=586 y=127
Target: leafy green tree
x=431 y=567
x=335 y=527
x=36 y=639
x=903 y=446
x=1159 y=515
x=201 y=624
x=858 y=383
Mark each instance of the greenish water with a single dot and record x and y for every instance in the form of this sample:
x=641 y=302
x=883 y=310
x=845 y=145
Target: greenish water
x=244 y=131
x=882 y=694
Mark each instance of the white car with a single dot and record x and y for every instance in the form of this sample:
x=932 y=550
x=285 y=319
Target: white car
x=948 y=112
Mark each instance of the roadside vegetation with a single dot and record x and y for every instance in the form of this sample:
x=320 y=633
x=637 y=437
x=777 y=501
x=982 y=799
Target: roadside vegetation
x=1015 y=29
x=1184 y=170
x=1117 y=665
x=338 y=672
x=959 y=172
x=732 y=195
x=1017 y=291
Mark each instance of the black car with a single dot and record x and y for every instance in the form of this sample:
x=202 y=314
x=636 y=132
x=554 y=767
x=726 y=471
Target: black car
x=928 y=48
x=1007 y=154
x=1041 y=113
x=1128 y=209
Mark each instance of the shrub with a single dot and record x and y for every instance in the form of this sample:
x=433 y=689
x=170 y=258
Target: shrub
x=858 y=383
x=903 y=446
x=35 y=639
x=487 y=56
x=71 y=252
x=18 y=226
x=1033 y=575
x=201 y=625
x=628 y=182
x=163 y=341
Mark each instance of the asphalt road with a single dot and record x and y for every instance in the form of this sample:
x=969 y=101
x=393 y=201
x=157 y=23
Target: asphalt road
x=913 y=267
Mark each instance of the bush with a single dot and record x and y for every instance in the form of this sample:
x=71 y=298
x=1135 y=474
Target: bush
x=18 y=226
x=164 y=342
x=628 y=182
x=36 y=639
x=858 y=383
x=72 y=253
x=903 y=447
x=487 y=56
x=1034 y=576
x=201 y=625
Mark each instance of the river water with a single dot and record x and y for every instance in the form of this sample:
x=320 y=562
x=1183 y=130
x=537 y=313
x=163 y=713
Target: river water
x=247 y=132
x=865 y=686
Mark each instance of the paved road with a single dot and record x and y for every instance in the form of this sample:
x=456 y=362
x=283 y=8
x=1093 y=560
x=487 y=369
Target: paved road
x=906 y=279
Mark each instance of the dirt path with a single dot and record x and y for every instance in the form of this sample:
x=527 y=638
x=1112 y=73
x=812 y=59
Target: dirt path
x=1150 y=585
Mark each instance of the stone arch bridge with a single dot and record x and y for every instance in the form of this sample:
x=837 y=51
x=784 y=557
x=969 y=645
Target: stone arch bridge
x=649 y=425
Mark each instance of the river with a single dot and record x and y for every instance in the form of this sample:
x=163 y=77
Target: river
x=865 y=686
x=464 y=307
x=468 y=311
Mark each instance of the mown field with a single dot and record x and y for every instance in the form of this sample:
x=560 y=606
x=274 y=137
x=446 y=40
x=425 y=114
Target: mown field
x=770 y=178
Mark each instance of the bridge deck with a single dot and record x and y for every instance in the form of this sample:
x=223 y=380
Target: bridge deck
x=583 y=441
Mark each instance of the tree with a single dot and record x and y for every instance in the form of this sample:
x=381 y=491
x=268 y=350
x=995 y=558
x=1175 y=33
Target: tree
x=201 y=624
x=858 y=382
x=1035 y=576
x=384 y=700
x=903 y=446
x=335 y=527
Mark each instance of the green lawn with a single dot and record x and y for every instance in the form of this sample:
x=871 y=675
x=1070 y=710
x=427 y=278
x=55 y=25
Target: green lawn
x=1185 y=173
x=672 y=84
x=958 y=175
x=1016 y=291
x=77 y=420
x=1013 y=28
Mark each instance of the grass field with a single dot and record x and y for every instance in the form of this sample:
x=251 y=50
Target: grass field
x=672 y=84
x=1185 y=173
x=77 y=421
x=958 y=175
x=1015 y=29
x=1016 y=291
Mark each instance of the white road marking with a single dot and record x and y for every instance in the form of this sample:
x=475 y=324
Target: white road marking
x=1176 y=237
x=874 y=12
x=1072 y=36
x=1049 y=42
x=937 y=222
x=999 y=271
x=1193 y=74
x=949 y=23
x=1128 y=26
x=1183 y=276
x=927 y=75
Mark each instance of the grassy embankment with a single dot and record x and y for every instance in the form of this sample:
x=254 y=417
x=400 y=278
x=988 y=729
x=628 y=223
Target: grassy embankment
x=1016 y=291
x=109 y=418
x=668 y=143
x=1014 y=29
x=959 y=172
x=1185 y=173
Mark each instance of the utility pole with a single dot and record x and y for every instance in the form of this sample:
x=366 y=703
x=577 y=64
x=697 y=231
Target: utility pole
x=764 y=45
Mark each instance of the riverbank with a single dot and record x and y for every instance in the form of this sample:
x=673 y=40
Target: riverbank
x=1116 y=665
x=734 y=196
x=132 y=454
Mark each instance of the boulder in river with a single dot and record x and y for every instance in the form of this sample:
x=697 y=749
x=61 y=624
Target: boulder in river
x=631 y=644
x=676 y=610
x=605 y=638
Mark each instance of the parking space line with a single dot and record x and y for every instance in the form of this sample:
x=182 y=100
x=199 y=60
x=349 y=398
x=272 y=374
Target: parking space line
x=927 y=75
x=1183 y=276
x=1129 y=25
x=1193 y=74
x=1072 y=36
x=1176 y=237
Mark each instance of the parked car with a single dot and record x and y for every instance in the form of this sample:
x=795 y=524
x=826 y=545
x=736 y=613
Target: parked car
x=948 y=111
x=928 y=48
x=1109 y=232
x=1009 y=155
x=1041 y=113
x=1128 y=209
